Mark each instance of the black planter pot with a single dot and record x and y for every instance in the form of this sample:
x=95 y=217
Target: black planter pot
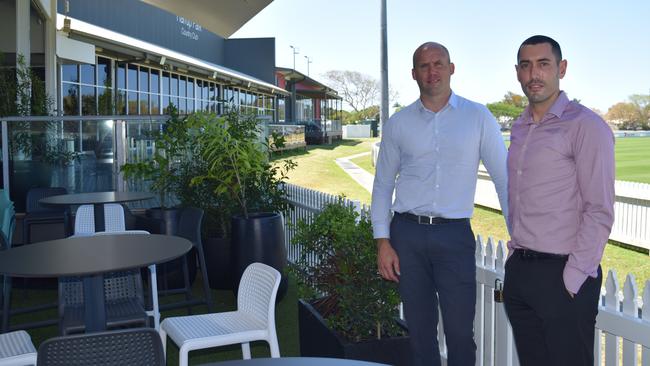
x=217 y=262
x=318 y=340
x=170 y=274
x=259 y=238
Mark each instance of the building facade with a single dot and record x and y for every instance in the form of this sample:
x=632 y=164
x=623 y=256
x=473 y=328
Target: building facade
x=110 y=70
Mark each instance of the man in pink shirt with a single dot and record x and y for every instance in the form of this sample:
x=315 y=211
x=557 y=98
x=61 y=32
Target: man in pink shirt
x=561 y=210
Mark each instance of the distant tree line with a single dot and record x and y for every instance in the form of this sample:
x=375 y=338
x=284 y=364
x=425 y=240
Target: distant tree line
x=631 y=115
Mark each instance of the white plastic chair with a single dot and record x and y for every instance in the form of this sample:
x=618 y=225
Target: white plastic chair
x=153 y=279
x=254 y=319
x=84 y=223
x=16 y=349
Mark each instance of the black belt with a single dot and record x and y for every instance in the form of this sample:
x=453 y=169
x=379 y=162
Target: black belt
x=428 y=220
x=528 y=254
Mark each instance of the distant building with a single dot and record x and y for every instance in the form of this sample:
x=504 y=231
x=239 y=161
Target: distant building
x=311 y=104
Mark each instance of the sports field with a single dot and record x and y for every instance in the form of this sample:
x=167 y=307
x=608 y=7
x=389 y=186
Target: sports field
x=632 y=159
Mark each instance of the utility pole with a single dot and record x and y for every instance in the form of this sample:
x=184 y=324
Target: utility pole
x=384 y=65
x=308 y=62
x=295 y=52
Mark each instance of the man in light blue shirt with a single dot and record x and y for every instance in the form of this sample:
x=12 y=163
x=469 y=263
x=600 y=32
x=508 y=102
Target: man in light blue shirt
x=430 y=152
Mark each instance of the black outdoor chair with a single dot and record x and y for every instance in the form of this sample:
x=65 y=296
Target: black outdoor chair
x=189 y=227
x=124 y=302
x=35 y=214
x=129 y=347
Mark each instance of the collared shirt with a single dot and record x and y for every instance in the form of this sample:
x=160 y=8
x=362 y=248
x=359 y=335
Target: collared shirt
x=561 y=186
x=435 y=158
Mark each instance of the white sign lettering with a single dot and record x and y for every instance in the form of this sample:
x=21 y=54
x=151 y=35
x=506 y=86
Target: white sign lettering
x=189 y=28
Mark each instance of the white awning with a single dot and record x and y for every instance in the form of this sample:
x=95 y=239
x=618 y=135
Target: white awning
x=74 y=51
x=91 y=31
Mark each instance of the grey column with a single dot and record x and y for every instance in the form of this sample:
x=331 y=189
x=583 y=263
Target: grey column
x=23 y=46
x=50 y=55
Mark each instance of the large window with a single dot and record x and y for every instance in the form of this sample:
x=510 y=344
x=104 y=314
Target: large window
x=113 y=87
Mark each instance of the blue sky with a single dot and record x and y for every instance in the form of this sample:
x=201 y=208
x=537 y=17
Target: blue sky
x=606 y=42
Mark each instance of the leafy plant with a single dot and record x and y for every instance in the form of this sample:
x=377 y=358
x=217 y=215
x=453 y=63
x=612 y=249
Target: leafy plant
x=338 y=260
x=171 y=146
x=237 y=165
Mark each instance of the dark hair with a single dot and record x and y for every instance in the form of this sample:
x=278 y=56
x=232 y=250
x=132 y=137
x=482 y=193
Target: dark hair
x=430 y=45
x=555 y=47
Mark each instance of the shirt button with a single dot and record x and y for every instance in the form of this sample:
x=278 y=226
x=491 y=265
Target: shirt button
x=517 y=198
x=437 y=185
x=518 y=172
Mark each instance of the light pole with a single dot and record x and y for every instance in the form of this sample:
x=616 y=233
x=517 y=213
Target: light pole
x=308 y=62
x=295 y=52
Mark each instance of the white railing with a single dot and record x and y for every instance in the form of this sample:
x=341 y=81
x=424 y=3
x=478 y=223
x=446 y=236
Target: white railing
x=622 y=325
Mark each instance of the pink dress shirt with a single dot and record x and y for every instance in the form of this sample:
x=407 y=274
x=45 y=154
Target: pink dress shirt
x=561 y=186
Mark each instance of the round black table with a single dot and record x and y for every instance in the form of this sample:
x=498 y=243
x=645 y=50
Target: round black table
x=295 y=361
x=90 y=257
x=97 y=199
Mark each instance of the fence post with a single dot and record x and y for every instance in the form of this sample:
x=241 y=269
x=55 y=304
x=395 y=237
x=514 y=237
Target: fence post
x=629 y=308
x=611 y=304
x=645 y=315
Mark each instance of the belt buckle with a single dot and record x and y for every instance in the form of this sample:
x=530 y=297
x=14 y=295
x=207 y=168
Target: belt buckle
x=425 y=222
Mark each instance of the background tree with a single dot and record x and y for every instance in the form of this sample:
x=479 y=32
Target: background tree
x=508 y=109
x=359 y=91
x=631 y=115
x=515 y=99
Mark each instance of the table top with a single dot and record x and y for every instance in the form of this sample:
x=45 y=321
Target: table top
x=95 y=198
x=78 y=256
x=294 y=361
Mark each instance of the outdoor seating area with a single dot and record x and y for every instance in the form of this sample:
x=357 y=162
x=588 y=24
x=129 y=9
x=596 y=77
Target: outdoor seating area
x=226 y=326
x=101 y=292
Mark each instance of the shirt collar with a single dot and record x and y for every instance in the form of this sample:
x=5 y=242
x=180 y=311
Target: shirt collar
x=452 y=102
x=557 y=109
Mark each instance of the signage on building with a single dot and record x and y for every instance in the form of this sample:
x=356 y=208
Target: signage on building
x=189 y=28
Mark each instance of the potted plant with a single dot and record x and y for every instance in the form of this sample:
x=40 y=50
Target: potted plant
x=249 y=189
x=172 y=144
x=161 y=170
x=217 y=207
x=346 y=309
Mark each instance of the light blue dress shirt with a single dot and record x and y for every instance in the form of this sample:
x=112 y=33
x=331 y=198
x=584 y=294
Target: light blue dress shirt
x=431 y=161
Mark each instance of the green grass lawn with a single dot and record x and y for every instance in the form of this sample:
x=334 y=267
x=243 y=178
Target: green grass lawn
x=317 y=169
x=321 y=173
x=633 y=159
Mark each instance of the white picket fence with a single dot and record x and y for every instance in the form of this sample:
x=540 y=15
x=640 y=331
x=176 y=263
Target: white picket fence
x=622 y=325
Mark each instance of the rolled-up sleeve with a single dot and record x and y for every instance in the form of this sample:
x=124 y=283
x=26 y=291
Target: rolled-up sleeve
x=595 y=169
x=388 y=163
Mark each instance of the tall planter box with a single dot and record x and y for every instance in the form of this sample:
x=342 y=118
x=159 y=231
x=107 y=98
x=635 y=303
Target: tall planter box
x=258 y=238
x=317 y=340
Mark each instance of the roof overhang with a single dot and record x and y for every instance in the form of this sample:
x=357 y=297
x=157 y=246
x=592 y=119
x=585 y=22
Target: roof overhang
x=223 y=17
x=306 y=86
x=142 y=51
